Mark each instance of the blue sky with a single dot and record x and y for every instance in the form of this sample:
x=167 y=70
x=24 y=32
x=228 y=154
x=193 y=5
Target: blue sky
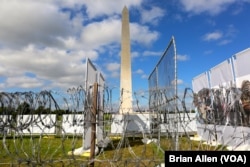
x=44 y=43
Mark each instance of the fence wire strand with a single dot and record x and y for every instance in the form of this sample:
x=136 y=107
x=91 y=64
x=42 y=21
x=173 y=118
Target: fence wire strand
x=48 y=128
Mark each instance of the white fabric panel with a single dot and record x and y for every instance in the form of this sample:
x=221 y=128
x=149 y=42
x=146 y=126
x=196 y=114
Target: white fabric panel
x=184 y=126
x=73 y=123
x=239 y=80
x=5 y=121
x=222 y=75
x=228 y=73
x=241 y=63
x=200 y=82
x=143 y=123
x=101 y=83
x=100 y=113
x=37 y=124
x=101 y=80
x=91 y=75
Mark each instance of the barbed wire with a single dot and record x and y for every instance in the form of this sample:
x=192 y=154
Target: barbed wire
x=50 y=128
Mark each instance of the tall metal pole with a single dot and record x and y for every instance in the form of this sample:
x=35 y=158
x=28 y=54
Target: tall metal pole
x=176 y=102
x=93 y=125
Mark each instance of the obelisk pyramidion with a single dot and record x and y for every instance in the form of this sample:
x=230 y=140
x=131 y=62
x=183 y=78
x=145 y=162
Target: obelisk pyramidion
x=125 y=77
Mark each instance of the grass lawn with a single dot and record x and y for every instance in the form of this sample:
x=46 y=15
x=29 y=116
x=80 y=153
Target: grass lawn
x=53 y=151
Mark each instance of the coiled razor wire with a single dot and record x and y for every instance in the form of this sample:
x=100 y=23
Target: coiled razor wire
x=35 y=126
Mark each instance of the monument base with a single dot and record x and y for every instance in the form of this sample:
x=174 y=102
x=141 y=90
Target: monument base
x=131 y=122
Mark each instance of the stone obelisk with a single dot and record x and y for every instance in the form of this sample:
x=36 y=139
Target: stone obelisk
x=125 y=77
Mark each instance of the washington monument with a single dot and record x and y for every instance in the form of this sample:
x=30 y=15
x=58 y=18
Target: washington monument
x=126 y=79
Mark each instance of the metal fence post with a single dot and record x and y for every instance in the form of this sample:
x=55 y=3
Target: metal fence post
x=93 y=125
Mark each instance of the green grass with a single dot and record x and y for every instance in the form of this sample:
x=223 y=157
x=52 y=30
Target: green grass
x=37 y=150
x=53 y=151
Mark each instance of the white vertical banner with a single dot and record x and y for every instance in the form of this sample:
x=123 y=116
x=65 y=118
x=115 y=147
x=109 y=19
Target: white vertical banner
x=101 y=87
x=93 y=76
x=100 y=114
x=241 y=62
x=200 y=82
x=72 y=123
x=222 y=75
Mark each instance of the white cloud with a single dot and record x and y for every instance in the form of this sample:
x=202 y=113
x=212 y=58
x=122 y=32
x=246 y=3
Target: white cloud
x=179 y=82
x=223 y=38
x=34 y=22
x=2 y=86
x=97 y=34
x=139 y=71
x=144 y=76
x=40 y=38
x=213 y=36
x=113 y=70
x=152 y=53
x=142 y=34
x=152 y=16
x=225 y=42
x=108 y=7
x=24 y=82
x=135 y=54
x=112 y=66
x=115 y=74
x=182 y=57
x=211 y=7
x=231 y=31
x=51 y=64
x=97 y=8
